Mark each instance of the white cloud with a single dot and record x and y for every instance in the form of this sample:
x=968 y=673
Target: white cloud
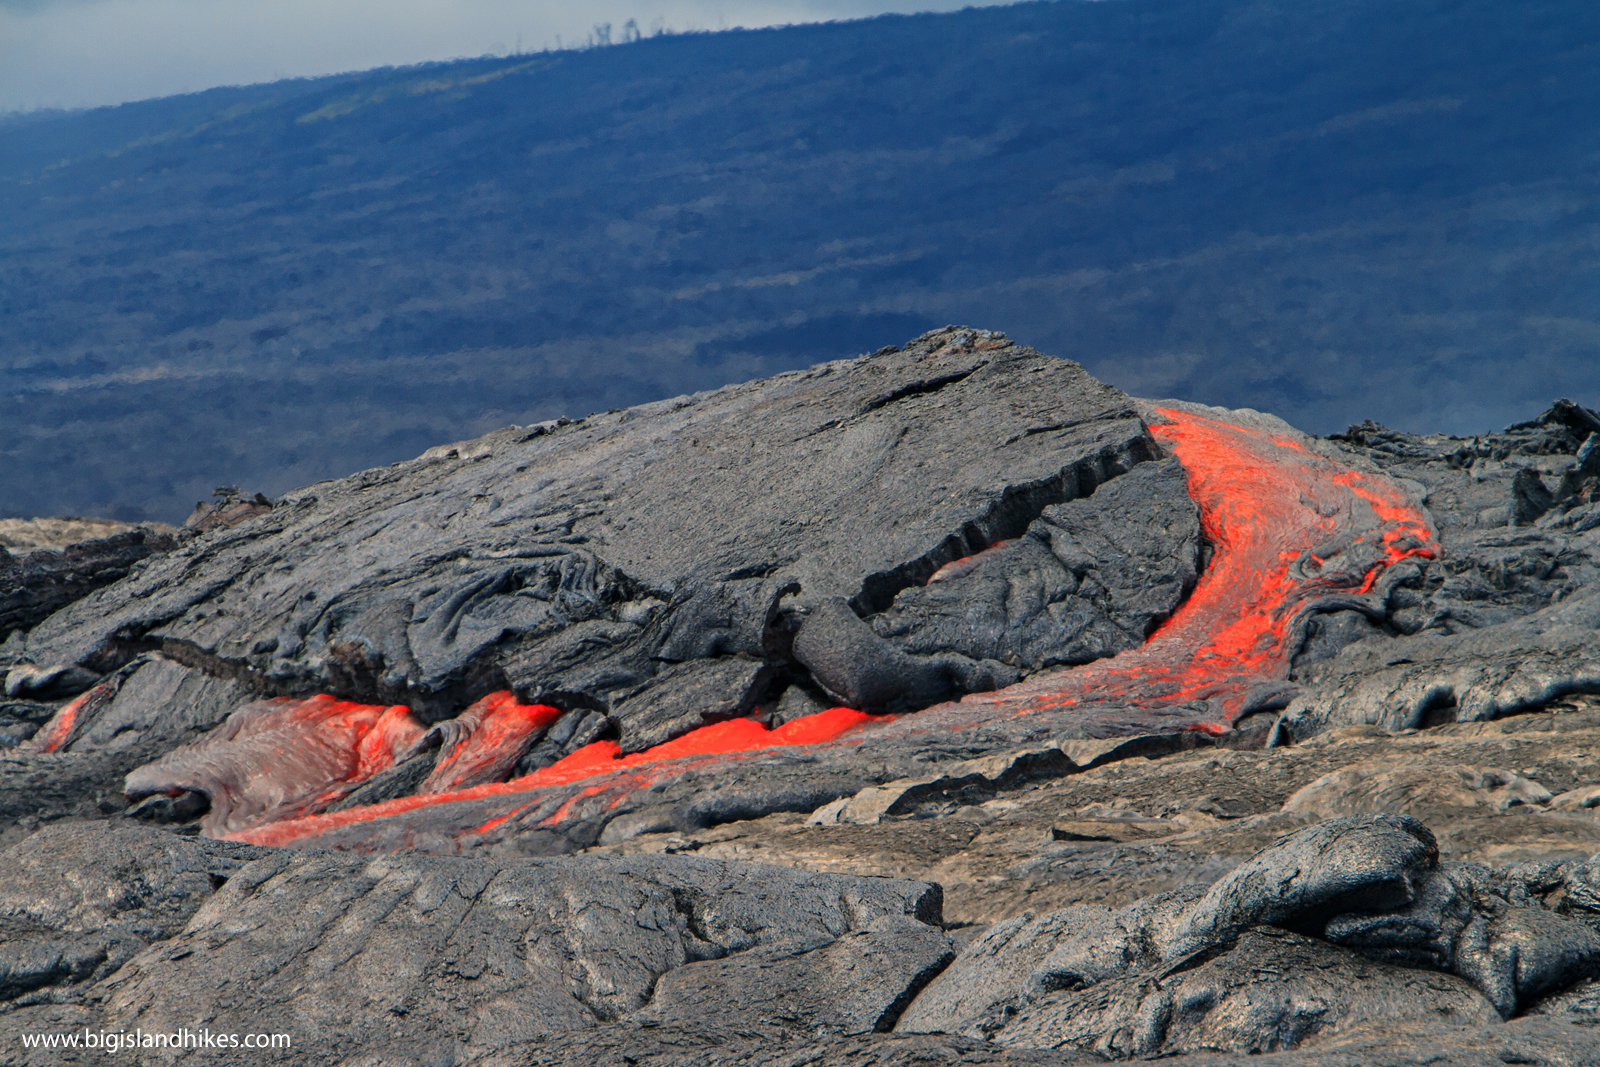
x=82 y=53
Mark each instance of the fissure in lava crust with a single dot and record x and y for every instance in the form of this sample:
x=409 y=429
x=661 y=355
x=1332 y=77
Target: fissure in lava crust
x=1293 y=532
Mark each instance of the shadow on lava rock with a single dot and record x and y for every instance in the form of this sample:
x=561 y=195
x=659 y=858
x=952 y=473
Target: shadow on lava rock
x=773 y=596
x=1290 y=533
x=884 y=597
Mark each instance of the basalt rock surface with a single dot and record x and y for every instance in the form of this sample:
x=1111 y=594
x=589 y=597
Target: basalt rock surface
x=35 y=585
x=1221 y=741
x=1503 y=620
x=1347 y=938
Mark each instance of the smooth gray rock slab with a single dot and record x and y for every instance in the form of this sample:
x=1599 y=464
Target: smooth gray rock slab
x=1471 y=675
x=78 y=901
x=1090 y=578
x=423 y=953
x=857 y=983
x=685 y=696
x=157 y=701
x=577 y=562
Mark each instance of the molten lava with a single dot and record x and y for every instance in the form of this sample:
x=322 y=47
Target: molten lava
x=279 y=758
x=1292 y=531
x=618 y=775
x=53 y=734
x=483 y=743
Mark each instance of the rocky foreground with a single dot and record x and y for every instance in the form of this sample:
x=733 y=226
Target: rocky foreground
x=940 y=706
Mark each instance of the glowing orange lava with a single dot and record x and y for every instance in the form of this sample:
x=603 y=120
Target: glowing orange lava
x=53 y=734
x=598 y=760
x=1292 y=532
x=281 y=757
x=493 y=732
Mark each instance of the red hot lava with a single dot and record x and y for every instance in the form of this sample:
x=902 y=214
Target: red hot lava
x=1292 y=532
x=548 y=796
x=279 y=758
x=53 y=734
x=483 y=743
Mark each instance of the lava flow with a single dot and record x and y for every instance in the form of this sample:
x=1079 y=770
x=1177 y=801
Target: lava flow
x=53 y=734
x=1292 y=532
x=275 y=759
x=529 y=799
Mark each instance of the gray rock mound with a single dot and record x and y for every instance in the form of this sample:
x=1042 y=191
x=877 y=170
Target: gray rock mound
x=1249 y=965
x=635 y=562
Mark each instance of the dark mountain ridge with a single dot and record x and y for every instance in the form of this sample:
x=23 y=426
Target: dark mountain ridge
x=1329 y=210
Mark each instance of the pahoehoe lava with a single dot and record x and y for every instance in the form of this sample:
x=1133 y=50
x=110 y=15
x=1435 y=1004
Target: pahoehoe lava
x=1292 y=532
x=905 y=589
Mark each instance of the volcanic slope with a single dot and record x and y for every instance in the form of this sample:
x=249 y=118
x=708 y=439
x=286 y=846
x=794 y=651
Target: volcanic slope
x=954 y=613
x=963 y=529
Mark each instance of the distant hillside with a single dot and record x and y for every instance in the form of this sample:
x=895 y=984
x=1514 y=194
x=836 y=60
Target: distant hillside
x=1332 y=209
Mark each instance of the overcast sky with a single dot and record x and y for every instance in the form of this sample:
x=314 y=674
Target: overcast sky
x=82 y=53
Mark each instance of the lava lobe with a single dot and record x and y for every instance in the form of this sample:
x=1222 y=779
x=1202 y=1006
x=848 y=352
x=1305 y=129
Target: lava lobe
x=758 y=600
x=1291 y=531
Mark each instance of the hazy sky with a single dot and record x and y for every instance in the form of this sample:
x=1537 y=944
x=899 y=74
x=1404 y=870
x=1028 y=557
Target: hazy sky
x=81 y=53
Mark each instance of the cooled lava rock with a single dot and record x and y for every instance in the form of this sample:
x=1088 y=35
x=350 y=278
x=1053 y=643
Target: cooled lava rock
x=417 y=957
x=36 y=585
x=888 y=534
x=578 y=561
x=1504 y=619
x=1346 y=925
x=907 y=588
